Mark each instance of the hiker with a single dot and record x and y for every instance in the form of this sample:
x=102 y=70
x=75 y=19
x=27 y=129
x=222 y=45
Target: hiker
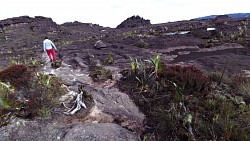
x=48 y=46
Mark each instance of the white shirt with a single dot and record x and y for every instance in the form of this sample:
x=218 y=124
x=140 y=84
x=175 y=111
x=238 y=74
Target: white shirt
x=48 y=44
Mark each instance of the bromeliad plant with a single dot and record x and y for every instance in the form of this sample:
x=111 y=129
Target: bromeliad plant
x=5 y=88
x=110 y=59
x=140 y=72
x=155 y=63
x=148 y=68
x=135 y=65
x=44 y=79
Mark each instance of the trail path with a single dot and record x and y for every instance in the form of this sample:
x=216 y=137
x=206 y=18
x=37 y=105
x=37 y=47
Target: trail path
x=109 y=105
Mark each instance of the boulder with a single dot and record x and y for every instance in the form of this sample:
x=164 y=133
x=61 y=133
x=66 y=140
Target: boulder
x=100 y=44
x=118 y=105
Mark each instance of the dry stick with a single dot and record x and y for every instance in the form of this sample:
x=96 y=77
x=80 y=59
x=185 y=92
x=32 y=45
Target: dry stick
x=190 y=129
x=77 y=105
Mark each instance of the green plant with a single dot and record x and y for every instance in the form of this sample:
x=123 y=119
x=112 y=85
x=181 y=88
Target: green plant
x=44 y=112
x=186 y=115
x=135 y=64
x=38 y=95
x=242 y=84
x=141 y=72
x=15 y=62
x=43 y=79
x=171 y=99
x=224 y=120
x=110 y=59
x=7 y=100
x=156 y=64
x=4 y=90
x=245 y=88
x=219 y=78
x=128 y=34
x=33 y=61
x=49 y=85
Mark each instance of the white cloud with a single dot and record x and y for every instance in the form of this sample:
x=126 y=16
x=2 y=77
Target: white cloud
x=113 y=12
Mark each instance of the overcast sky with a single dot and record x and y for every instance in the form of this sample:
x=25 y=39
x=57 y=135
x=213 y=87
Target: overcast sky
x=113 y=12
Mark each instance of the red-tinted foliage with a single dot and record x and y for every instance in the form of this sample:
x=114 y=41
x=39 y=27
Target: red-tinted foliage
x=32 y=105
x=17 y=75
x=190 y=79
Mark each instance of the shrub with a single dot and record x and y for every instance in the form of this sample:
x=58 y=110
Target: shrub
x=242 y=84
x=199 y=113
x=191 y=80
x=43 y=94
x=220 y=77
x=168 y=118
x=36 y=100
x=223 y=119
x=17 y=75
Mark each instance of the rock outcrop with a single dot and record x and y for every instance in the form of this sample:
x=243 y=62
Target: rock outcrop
x=134 y=21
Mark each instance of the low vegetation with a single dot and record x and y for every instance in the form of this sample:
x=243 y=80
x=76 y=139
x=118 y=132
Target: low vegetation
x=100 y=74
x=109 y=60
x=182 y=103
x=26 y=93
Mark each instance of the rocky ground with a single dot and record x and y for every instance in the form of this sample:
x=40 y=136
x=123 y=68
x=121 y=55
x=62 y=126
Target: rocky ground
x=210 y=45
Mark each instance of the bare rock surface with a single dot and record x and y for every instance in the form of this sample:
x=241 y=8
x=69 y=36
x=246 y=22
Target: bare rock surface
x=99 y=132
x=106 y=97
x=118 y=106
x=31 y=130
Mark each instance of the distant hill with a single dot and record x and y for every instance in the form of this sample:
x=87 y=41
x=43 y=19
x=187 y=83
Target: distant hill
x=235 y=15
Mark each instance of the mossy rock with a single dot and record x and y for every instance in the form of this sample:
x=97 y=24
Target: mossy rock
x=56 y=64
x=100 y=75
